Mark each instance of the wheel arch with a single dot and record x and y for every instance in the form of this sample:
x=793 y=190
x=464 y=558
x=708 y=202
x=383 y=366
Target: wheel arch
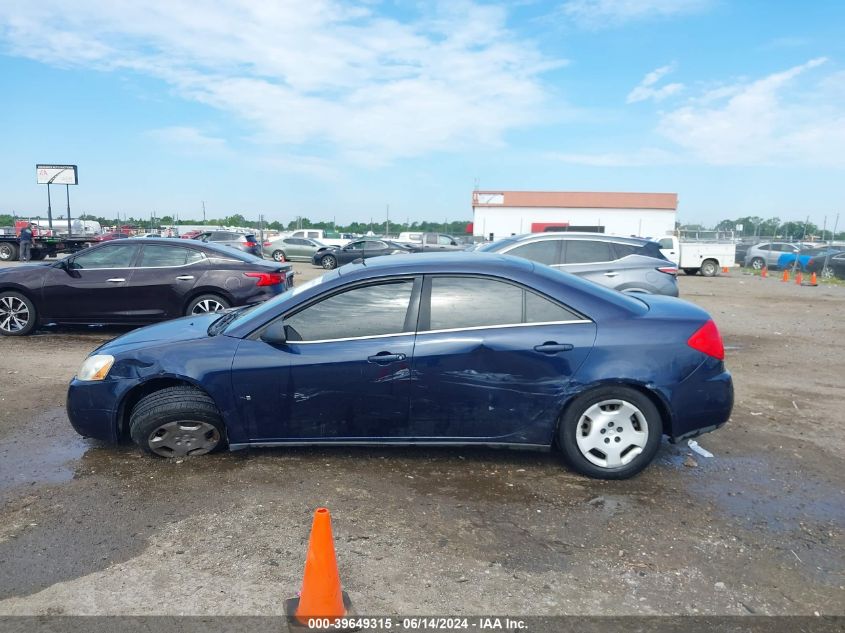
x=654 y=395
x=27 y=292
x=134 y=395
x=207 y=290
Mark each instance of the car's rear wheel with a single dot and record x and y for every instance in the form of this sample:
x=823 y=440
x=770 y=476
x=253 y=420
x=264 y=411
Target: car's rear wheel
x=328 y=262
x=690 y=271
x=38 y=254
x=17 y=314
x=207 y=303
x=709 y=268
x=758 y=263
x=610 y=433
x=827 y=273
x=177 y=422
x=279 y=256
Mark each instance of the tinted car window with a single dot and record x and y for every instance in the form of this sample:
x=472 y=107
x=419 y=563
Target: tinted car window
x=544 y=252
x=623 y=250
x=461 y=302
x=111 y=256
x=160 y=256
x=586 y=251
x=764 y=247
x=541 y=310
x=364 y=311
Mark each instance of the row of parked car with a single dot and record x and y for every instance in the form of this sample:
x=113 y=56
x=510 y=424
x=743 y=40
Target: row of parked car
x=827 y=260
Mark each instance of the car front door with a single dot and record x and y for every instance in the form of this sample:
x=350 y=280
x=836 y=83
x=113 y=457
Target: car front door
x=492 y=360
x=163 y=276
x=343 y=373
x=91 y=286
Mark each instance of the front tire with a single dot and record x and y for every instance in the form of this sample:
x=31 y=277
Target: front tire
x=279 y=256
x=329 y=262
x=17 y=314
x=610 y=433
x=205 y=304
x=177 y=422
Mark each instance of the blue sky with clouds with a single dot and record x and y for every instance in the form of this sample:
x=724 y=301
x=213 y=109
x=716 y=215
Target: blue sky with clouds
x=336 y=109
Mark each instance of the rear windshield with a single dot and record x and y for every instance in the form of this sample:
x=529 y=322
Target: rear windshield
x=494 y=247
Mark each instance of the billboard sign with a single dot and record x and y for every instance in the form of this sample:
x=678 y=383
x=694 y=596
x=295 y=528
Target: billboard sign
x=56 y=175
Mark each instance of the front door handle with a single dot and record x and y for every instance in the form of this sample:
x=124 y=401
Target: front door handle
x=185 y=277
x=115 y=280
x=385 y=358
x=550 y=347
x=611 y=273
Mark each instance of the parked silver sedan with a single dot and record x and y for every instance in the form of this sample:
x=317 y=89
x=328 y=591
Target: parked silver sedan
x=294 y=249
x=767 y=254
x=626 y=264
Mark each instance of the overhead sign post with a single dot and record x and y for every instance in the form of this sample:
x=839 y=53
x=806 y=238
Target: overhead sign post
x=57 y=175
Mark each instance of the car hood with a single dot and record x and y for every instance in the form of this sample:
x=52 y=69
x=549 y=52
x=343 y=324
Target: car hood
x=26 y=267
x=169 y=332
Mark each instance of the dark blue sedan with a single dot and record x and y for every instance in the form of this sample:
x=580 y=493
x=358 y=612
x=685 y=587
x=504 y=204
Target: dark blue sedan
x=440 y=349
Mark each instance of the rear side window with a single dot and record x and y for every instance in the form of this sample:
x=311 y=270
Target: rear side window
x=363 y=311
x=587 y=251
x=165 y=256
x=466 y=302
x=543 y=252
x=623 y=250
x=650 y=249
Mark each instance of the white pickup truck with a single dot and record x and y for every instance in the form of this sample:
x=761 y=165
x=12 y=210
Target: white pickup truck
x=707 y=257
x=329 y=239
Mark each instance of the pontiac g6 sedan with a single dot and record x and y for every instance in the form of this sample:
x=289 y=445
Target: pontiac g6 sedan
x=440 y=349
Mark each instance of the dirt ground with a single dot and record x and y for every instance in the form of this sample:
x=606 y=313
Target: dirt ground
x=757 y=528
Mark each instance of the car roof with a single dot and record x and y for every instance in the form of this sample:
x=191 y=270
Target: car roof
x=175 y=241
x=603 y=237
x=452 y=262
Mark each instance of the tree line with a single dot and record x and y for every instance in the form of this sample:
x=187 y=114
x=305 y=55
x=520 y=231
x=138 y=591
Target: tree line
x=755 y=226
x=457 y=227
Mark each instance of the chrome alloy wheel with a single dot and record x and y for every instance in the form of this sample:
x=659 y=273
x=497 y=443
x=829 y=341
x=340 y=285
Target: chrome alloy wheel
x=208 y=305
x=611 y=433
x=178 y=439
x=14 y=315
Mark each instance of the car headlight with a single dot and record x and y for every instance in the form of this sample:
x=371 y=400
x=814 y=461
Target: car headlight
x=95 y=367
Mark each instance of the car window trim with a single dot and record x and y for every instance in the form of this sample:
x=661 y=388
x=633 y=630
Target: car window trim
x=195 y=250
x=561 y=250
x=503 y=325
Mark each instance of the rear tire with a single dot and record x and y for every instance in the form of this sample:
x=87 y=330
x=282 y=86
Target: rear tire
x=177 y=422
x=38 y=254
x=758 y=263
x=709 y=268
x=610 y=432
x=205 y=304
x=279 y=256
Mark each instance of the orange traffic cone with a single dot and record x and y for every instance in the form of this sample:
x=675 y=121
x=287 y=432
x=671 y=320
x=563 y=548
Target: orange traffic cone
x=764 y=272
x=785 y=276
x=798 y=278
x=725 y=270
x=321 y=595
x=813 y=280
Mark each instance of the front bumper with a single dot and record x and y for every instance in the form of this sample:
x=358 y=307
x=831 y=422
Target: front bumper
x=92 y=408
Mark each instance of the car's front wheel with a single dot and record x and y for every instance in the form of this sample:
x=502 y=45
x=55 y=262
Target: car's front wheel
x=17 y=314
x=328 y=262
x=610 y=433
x=279 y=256
x=177 y=422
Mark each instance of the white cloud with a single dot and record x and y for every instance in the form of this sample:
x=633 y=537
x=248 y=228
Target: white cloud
x=308 y=72
x=647 y=157
x=647 y=88
x=597 y=14
x=187 y=139
x=776 y=120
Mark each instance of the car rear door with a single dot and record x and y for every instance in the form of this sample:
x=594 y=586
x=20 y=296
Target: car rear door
x=590 y=259
x=492 y=360
x=163 y=276
x=344 y=372
x=92 y=287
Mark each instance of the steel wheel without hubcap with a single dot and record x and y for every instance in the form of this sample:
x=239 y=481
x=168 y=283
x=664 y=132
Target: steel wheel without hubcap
x=208 y=305
x=611 y=433
x=178 y=439
x=14 y=314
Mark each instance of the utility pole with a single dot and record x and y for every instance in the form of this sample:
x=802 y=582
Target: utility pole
x=387 y=223
x=203 y=211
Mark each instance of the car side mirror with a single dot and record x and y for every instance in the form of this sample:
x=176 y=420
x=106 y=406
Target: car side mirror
x=275 y=334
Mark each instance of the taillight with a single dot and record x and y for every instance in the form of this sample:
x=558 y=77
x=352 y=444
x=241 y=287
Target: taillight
x=707 y=340
x=669 y=270
x=252 y=244
x=267 y=279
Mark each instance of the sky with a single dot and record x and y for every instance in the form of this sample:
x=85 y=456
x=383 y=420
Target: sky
x=345 y=110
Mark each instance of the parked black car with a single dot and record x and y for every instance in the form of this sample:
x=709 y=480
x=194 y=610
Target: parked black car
x=837 y=265
x=333 y=256
x=819 y=258
x=135 y=282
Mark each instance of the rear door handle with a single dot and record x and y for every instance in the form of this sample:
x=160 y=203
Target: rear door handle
x=385 y=358
x=550 y=347
x=185 y=277
x=115 y=280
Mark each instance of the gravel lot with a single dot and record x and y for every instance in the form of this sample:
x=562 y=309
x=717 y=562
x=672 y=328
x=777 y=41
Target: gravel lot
x=758 y=528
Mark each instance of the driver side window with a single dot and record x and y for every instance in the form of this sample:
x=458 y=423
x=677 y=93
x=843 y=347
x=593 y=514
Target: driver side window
x=109 y=256
x=364 y=311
